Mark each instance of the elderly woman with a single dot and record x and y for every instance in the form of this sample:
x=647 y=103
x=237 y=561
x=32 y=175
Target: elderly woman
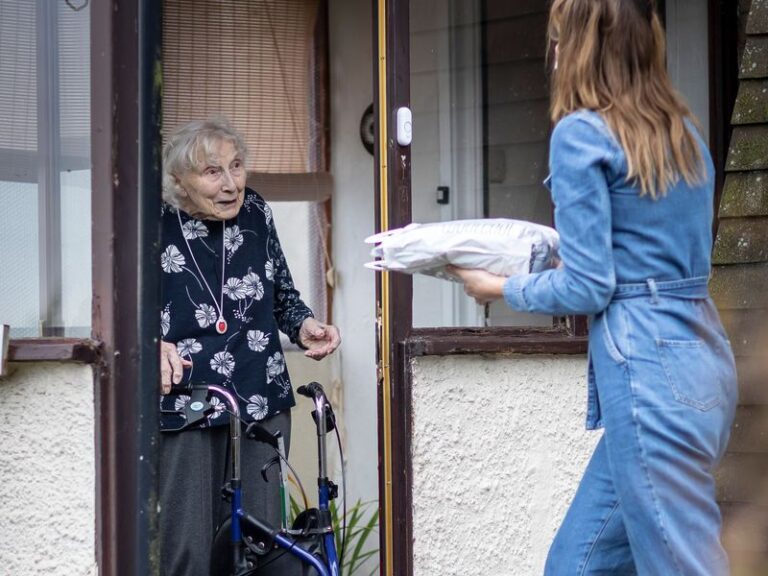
x=227 y=292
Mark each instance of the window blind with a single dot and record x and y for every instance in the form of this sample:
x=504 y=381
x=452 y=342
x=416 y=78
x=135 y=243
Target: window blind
x=18 y=91
x=19 y=102
x=255 y=62
x=74 y=88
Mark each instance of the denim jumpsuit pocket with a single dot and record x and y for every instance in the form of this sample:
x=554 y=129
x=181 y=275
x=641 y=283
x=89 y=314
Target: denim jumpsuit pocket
x=690 y=366
x=609 y=341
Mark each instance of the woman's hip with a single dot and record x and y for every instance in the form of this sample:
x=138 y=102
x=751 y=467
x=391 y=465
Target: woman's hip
x=676 y=396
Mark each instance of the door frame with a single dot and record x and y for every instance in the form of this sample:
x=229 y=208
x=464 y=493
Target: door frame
x=392 y=187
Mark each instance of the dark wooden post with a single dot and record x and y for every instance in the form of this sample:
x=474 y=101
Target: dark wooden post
x=125 y=61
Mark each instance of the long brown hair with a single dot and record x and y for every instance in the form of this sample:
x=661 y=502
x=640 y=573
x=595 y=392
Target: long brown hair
x=611 y=58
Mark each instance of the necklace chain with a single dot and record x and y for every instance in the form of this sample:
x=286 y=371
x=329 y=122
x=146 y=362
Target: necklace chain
x=221 y=324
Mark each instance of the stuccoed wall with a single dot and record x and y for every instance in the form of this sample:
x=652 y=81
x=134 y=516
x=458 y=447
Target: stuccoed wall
x=499 y=446
x=47 y=471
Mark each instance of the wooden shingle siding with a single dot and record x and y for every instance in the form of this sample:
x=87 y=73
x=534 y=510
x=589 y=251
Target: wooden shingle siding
x=740 y=477
x=752 y=388
x=754 y=62
x=743 y=15
x=745 y=329
x=758 y=18
x=749 y=523
x=749 y=147
x=735 y=289
x=750 y=430
x=740 y=253
x=739 y=287
x=751 y=104
x=741 y=241
x=745 y=194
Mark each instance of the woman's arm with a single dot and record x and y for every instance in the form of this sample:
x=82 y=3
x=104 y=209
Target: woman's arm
x=293 y=317
x=580 y=154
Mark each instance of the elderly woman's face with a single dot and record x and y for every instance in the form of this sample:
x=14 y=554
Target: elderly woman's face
x=215 y=190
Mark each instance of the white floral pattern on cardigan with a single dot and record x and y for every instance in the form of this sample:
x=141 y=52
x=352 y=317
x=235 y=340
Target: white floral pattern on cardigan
x=259 y=300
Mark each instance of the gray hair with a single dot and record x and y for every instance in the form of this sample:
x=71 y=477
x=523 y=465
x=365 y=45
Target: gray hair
x=192 y=143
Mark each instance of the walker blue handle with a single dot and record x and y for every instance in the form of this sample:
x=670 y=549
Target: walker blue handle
x=305 y=556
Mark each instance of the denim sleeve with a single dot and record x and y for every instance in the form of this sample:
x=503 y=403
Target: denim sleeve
x=579 y=155
x=290 y=310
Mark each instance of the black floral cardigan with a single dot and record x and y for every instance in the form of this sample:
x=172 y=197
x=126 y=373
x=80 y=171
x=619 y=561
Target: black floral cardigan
x=258 y=300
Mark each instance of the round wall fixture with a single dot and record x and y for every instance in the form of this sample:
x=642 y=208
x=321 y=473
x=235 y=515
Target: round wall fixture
x=367 y=129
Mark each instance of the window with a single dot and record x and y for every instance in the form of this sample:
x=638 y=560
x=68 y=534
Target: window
x=480 y=100
x=270 y=80
x=688 y=55
x=479 y=93
x=45 y=176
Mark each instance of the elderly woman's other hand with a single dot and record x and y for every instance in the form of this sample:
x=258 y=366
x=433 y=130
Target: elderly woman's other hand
x=171 y=366
x=481 y=285
x=319 y=339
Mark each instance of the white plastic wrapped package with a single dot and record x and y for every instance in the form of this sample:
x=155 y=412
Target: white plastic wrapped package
x=500 y=246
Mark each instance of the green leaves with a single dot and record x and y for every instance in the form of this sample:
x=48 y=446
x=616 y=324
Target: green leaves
x=362 y=523
x=358 y=529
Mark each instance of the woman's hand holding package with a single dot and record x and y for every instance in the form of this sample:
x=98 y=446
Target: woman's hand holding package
x=481 y=285
x=319 y=339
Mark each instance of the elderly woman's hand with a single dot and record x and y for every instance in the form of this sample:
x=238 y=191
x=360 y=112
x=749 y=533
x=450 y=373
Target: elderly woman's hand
x=481 y=285
x=319 y=339
x=171 y=366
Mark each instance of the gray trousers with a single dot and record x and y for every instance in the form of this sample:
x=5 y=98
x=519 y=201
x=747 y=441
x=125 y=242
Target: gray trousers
x=193 y=467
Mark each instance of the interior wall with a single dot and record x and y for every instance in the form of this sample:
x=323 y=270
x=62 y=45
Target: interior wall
x=292 y=222
x=47 y=470
x=353 y=220
x=303 y=449
x=499 y=446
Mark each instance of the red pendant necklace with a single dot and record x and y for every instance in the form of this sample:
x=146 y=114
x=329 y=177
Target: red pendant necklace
x=220 y=324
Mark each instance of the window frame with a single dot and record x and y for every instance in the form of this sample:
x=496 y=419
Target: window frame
x=52 y=344
x=123 y=347
x=568 y=334
x=83 y=350
x=49 y=181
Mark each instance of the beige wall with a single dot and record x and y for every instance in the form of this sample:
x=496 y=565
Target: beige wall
x=303 y=454
x=47 y=470
x=499 y=446
x=353 y=211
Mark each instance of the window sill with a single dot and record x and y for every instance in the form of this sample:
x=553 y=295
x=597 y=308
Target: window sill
x=449 y=341
x=82 y=350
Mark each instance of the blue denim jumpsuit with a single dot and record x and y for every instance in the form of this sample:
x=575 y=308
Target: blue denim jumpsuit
x=662 y=381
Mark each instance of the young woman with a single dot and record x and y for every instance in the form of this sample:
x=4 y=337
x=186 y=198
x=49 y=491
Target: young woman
x=632 y=184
